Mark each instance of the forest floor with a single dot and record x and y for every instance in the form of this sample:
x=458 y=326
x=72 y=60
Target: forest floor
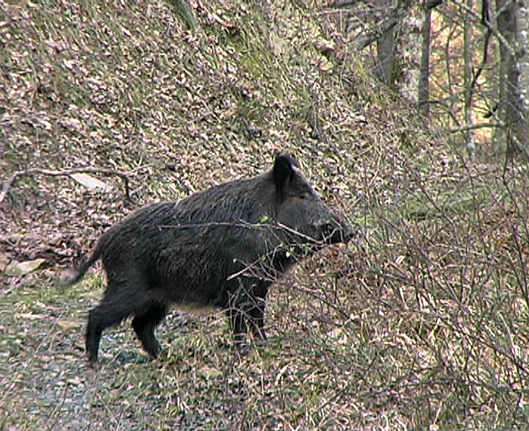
x=420 y=323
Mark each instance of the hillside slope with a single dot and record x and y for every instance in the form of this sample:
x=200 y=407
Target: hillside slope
x=126 y=87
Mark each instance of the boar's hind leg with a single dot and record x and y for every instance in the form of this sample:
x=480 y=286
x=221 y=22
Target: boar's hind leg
x=121 y=300
x=145 y=323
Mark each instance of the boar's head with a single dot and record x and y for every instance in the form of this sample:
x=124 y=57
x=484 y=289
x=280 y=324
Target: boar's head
x=305 y=219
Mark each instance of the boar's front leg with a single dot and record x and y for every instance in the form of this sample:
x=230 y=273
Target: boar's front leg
x=238 y=324
x=247 y=305
x=256 y=313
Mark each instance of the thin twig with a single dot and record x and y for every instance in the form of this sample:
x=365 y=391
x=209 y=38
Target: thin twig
x=11 y=180
x=475 y=126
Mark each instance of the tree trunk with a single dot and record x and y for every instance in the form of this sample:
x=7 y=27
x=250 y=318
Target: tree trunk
x=523 y=44
x=385 y=48
x=512 y=109
x=411 y=73
x=468 y=49
x=424 y=74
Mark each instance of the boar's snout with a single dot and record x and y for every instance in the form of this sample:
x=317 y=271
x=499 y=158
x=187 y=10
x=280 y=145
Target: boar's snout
x=337 y=231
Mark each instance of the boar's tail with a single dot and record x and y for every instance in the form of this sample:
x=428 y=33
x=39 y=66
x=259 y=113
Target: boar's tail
x=80 y=272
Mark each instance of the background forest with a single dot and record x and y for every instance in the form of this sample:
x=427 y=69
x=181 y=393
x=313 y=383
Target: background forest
x=408 y=117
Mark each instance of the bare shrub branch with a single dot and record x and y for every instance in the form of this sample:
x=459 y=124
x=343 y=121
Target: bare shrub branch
x=11 y=180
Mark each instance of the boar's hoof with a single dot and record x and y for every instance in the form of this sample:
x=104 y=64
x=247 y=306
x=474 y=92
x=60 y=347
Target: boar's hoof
x=243 y=349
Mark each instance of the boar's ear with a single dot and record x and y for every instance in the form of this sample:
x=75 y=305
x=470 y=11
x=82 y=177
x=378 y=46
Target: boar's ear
x=284 y=171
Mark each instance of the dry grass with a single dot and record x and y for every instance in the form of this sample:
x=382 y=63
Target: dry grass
x=420 y=324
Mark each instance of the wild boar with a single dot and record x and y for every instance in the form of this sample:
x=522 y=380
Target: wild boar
x=222 y=247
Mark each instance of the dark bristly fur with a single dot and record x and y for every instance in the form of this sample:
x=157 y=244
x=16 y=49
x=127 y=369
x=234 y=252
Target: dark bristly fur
x=222 y=247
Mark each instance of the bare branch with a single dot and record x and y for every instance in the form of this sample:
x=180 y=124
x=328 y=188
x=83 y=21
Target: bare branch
x=381 y=27
x=341 y=3
x=11 y=180
x=475 y=126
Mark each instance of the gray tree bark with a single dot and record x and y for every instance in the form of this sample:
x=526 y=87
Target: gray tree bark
x=512 y=138
x=523 y=41
x=423 y=101
x=385 y=48
x=468 y=49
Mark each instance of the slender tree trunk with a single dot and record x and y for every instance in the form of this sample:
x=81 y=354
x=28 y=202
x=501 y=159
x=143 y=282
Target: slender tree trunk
x=512 y=109
x=468 y=49
x=523 y=44
x=500 y=134
x=424 y=74
x=410 y=53
x=386 y=48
